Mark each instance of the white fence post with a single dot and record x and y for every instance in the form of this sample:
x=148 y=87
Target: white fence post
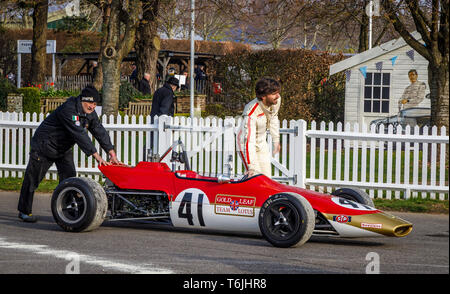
x=300 y=153
x=165 y=135
x=229 y=145
x=442 y=164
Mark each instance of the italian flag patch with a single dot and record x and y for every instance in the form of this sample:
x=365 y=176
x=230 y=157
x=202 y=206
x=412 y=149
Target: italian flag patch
x=76 y=120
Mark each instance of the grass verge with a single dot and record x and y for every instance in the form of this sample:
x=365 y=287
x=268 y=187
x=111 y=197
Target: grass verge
x=404 y=205
x=413 y=205
x=14 y=184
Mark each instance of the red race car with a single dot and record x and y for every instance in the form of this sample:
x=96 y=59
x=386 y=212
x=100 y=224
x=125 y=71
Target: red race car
x=285 y=215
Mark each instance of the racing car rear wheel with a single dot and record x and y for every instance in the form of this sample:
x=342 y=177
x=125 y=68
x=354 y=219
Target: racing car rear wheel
x=79 y=204
x=286 y=220
x=354 y=194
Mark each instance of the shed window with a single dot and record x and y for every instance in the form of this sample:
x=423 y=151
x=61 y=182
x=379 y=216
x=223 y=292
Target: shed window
x=377 y=92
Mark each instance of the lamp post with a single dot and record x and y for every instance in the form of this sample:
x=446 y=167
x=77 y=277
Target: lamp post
x=191 y=77
x=370 y=23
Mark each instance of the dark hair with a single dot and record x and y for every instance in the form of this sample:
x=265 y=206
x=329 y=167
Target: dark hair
x=412 y=70
x=266 y=86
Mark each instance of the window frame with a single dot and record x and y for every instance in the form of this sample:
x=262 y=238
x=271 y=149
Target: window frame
x=373 y=87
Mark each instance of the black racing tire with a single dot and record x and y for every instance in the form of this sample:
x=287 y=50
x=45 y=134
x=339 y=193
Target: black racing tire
x=79 y=204
x=354 y=194
x=286 y=220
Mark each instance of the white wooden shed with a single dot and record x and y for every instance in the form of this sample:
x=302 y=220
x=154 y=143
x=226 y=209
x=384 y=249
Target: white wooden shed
x=377 y=78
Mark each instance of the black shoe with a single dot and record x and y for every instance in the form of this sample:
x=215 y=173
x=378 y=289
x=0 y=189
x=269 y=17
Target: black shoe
x=28 y=218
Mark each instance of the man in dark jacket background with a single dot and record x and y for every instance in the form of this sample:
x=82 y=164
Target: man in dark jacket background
x=53 y=141
x=144 y=84
x=163 y=99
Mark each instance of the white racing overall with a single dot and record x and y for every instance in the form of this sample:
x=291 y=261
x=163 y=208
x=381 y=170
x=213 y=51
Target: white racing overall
x=252 y=136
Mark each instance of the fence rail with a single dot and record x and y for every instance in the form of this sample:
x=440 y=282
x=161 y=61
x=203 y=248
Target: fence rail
x=400 y=165
x=380 y=162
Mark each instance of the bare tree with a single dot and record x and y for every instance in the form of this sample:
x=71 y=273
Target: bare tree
x=172 y=17
x=274 y=20
x=351 y=22
x=147 y=41
x=39 y=47
x=120 y=20
x=39 y=10
x=211 y=21
x=431 y=21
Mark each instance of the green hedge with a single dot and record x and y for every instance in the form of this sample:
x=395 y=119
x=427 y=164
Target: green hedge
x=31 y=96
x=305 y=94
x=5 y=88
x=127 y=93
x=31 y=99
x=219 y=110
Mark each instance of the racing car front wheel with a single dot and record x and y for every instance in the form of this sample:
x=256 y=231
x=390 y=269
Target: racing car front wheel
x=79 y=204
x=286 y=220
x=354 y=194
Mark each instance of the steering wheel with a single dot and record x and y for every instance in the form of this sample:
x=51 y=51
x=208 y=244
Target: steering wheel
x=244 y=177
x=177 y=156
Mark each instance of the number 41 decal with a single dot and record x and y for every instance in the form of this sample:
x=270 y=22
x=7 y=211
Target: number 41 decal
x=185 y=210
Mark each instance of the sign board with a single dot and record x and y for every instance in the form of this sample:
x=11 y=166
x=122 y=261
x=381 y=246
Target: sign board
x=24 y=46
x=182 y=79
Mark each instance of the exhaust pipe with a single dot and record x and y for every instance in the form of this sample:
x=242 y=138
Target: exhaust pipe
x=402 y=230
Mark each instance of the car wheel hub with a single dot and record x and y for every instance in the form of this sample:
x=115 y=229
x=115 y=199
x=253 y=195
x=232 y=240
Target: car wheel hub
x=282 y=221
x=71 y=205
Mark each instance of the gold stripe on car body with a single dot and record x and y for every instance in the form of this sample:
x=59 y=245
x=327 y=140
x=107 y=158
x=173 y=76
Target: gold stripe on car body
x=380 y=222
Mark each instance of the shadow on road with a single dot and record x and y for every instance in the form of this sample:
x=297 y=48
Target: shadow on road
x=45 y=223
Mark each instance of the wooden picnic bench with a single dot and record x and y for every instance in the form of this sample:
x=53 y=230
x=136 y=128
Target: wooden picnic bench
x=49 y=104
x=134 y=108
x=139 y=108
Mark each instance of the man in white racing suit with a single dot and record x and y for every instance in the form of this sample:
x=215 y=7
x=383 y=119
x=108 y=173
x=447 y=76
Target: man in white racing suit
x=259 y=116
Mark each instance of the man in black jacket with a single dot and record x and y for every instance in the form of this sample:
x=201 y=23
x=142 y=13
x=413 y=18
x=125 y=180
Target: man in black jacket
x=144 y=84
x=163 y=99
x=53 y=141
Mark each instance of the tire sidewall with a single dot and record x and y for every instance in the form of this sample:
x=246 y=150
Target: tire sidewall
x=354 y=194
x=90 y=209
x=301 y=229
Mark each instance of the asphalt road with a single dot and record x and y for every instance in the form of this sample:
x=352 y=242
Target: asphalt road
x=126 y=247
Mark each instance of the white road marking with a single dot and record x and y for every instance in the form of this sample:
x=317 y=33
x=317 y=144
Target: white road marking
x=89 y=259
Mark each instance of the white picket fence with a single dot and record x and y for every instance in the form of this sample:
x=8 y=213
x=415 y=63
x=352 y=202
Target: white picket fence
x=319 y=158
x=379 y=162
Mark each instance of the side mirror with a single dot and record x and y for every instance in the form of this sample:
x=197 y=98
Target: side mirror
x=223 y=179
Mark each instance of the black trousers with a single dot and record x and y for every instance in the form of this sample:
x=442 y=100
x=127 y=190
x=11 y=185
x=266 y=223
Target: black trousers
x=37 y=167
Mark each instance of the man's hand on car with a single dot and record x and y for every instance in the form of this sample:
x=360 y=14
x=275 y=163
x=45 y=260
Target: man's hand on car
x=100 y=160
x=114 y=159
